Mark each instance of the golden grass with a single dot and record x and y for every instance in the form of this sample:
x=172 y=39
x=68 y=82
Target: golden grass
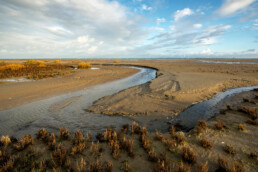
x=57 y=61
x=5 y=140
x=189 y=155
x=84 y=65
x=12 y=67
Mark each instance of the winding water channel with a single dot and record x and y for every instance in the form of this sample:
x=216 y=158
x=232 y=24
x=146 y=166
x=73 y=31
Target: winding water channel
x=68 y=110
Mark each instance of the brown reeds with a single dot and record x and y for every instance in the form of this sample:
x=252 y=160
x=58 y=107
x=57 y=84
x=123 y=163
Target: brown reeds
x=230 y=149
x=64 y=133
x=5 y=140
x=219 y=125
x=206 y=143
x=24 y=142
x=241 y=127
x=60 y=155
x=136 y=129
x=189 y=155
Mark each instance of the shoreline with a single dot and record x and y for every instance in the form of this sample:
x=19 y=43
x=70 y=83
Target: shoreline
x=14 y=94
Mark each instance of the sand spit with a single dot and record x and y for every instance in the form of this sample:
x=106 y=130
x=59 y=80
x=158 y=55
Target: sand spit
x=178 y=85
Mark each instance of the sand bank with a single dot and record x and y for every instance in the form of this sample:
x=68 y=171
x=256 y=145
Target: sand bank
x=178 y=85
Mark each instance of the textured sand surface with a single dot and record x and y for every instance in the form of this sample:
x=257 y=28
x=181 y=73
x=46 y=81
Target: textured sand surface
x=178 y=85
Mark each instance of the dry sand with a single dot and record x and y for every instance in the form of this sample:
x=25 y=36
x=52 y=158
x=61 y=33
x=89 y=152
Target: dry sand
x=15 y=94
x=178 y=86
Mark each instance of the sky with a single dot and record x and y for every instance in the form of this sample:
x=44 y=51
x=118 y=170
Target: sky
x=128 y=29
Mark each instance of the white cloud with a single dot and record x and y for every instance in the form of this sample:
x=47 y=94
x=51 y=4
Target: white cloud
x=232 y=6
x=159 y=29
x=207 y=51
x=182 y=13
x=160 y=20
x=172 y=27
x=145 y=7
x=92 y=49
x=67 y=27
x=85 y=39
x=197 y=26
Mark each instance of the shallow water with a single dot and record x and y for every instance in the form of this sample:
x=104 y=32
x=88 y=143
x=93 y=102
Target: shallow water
x=205 y=110
x=68 y=110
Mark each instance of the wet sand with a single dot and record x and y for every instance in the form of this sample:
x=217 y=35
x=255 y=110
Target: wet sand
x=19 y=93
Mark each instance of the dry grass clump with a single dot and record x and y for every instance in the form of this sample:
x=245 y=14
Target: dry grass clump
x=230 y=149
x=201 y=126
x=252 y=112
x=52 y=141
x=152 y=155
x=64 y=133
x=114 y=145
x=241 y=127
x=172 y=131
x=110 y=135
x=84 y=65
x=116 y=61
x=145 y=142
x=158 y=135
x=81 y=167
x=79 y=144
x=89 y=137
x=79 y=148
x=136 y=129
x=57 y=61
x=24 y=142
x=43 y=135
x=206 y=143
x=95 y=166
x=109 y=166
x=163 y=165
x=5 y=140
x=128 y=145
x=189 y=155
x=78 y=138
x=203 y=167
x=219 y=125
x=6 y=162
x=60 y=155
x=253 y=155
x=94 y=148
x=224 y=167
x=183 y=168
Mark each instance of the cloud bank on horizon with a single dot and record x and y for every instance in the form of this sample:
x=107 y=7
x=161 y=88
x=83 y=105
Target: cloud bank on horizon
x=128 y=29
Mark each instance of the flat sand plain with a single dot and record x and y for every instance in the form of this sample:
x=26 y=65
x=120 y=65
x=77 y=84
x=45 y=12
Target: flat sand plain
x=179 y=84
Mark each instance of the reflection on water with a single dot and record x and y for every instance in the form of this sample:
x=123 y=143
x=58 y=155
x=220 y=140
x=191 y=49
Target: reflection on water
x=207 y=109
x=68 y=110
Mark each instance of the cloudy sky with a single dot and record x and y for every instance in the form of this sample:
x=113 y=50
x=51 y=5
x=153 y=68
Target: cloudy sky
x=128 y=28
